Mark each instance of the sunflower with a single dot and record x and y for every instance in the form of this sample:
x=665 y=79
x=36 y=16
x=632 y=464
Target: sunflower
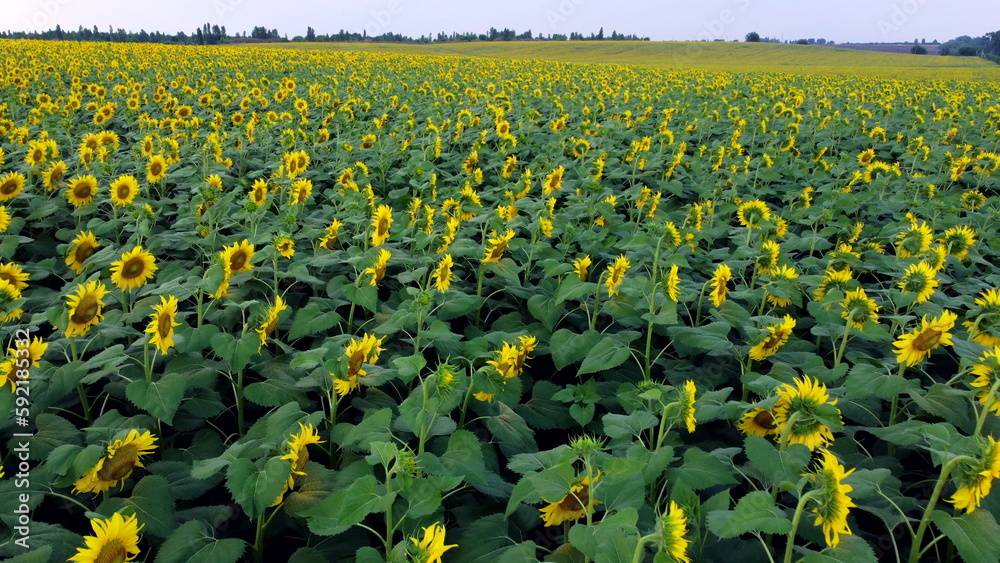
x=914 y=240
x=686 y=402
x=553 y=181
x=358 y=353
x=115 y=539
x=162 y=323
x=298 y=455
x=270 y=321
x=377 y=270
x=758 y=422
x=914 y=347
x=858 y=308
x=866 y=157
x=31 y=350
x=85 y=307
x=572 y=506
x=720 y=278
x=10 y=185
x=431 y=547
x=4 y=219
x=973 y=199
x=81 y=190
x=777 y=335
x=134 y=269
x=14 y=275
x=616 y=274
x=236 y=257
x=301 y=190
x=986 y=326
x=800 y=411
x=751 y=213
x=581 y=267
x=497 y=244
x=831 y=504
x=958 y=241
x=672 y=285
x=368 y=141
x=381 y=222
x=117 y=464
x=976 y=477
x=80 y=249
x=9 y=295
x=767 y=258
x=443 y=275
x=123 y=190
x=329 y=238
x=920 y=279
x=156 y=169
x=834 y=279
x=987 y=372
x=780 y=274
x=672 y=529
x=52 y=178
x=285 y=246
x=258 y=193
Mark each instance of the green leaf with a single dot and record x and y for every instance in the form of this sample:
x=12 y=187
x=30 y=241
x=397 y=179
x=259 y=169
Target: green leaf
x=866 y=380
x=255 y=489
x=348 y=507
x=567 y=347
x=511 y=430
x=755 y=512
x=701 y=470
x=193 y=543
x=851 y=549
x=553 y=483
x=465 y=457
x=627 y=426
x=712 y=337
x=159 y=398
x=153 y=504
x=374 y=427
x=422 y=497
x=546 y=310
x=316 y=317
x=976 y=536
x=365 y=296
x=777 y=466
x=608 y=353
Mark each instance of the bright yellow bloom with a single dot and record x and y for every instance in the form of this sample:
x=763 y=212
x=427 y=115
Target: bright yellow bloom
x=123 y=190
x=580 y=266
x=723 y=274
x=10 y=185
x=776 y=337
x=616 y=274
x=236 y=257
x=156 y=169
x=686 y=401
x=443 y=275
x=805 y=399
x=80 y=249
x=298 y=456
x=858 y=308
x=751 y=213
x=497 y=245
x=912 y=348
x=162 y=323
x=921 y=279
x=673 y=528
x=431 y=547
x=976 y=478
x=81 y=190
x=958 y=241
x=914 y=240
x=115 y=540
x=358 y=353
x=832 y=504
x=758 y=422
x=134 y=269
x=300 y=191
x=572 y=506
x=85 y=307
x=672 y=284
x=285 y=246
x=377 y=270
x=116 y=465
x=381 y=223
x=986 y=323
x=270 y=321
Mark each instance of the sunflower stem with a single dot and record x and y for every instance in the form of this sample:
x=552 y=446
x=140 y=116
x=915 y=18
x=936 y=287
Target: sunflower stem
x=946 y=470
x=789 y=547
x=334 y=402
x=145 y=361
x=843 y=346
x=258 y=544
x=640 y=547
x=239 y=403
x=662 y=431
x=786 y=431
x=79 y=386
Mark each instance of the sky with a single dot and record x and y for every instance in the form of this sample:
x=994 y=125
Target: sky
x=841 y=21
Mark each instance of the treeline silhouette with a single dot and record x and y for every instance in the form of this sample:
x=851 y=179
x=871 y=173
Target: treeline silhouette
x=210 y=34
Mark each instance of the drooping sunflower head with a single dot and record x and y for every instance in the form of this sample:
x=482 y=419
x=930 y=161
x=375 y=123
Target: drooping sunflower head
x=122 y=456
x=859 y=308
x=672 y=283
x=123 y=190
x=987 y=372
x=777 y=335
x=497 y=245
x=329 y=238
x=921 y=279
x=431 y=547
x=751 y=213
x=85 y=305
x=913 y=347
x=377 y=270
x=581 y=266
x=975 y=477
x=671 y=529
x=804 y=412
x=831 y=503
x=973 y=199
x=298 y=456
x=82 y=247
x=984 y=328
x=443 y=275
x=686 y=401
x=115 y=540
x=958 y=241
x=573 y=505
x=758 y=421
x=914 y=240
x=162 y=323
x=134 y=269
x=616 y=274
x=358 y=353
x=720 y=280
x=81 y=190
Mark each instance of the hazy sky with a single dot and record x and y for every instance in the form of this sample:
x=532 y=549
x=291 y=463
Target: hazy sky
x=841 y=21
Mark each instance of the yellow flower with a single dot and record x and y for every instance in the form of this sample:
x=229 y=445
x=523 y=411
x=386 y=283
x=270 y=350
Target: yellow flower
x=914 y=240
x=236 y=257
x=4 y=219
x=31 y=350
x=804 y=401
x=720 y=279
x=497 y=246
x=85 y=307
x=13 y=273
x=580 y=266
x=270 y=321
x=751 y=213
x=672 y=529
x=377 y=270
x=329 y=239
x=914 y=347
x=298 y=455
x=301 y=190
x=976 y=478
x=162 y=323
x=920 y=279
x=987 y=372
x=52 y=178
x=859 y=308
x=81 y=190
x=781 y=273
x=572 y=506
x=616 y=274
x=831 y=504
x=156 y=169
x=686 y=401
x=358 y=353
x=80 y=249
x=443 y=275
x=553 y=181
x=11 y=185
x=767 y=258
x=672 y=284
x=116 y=465
x=285 y=246
x=133 y=270
x=115 y=539
x=866 y=157
x=958 y=241
x=123 y=190
x=258 y=192
x=986 y=323
x=777 y=336
x=381 y=223
x=758 y=422
x=431 y=547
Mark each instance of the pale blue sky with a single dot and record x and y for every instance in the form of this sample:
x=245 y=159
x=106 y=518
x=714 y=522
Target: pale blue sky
x=841 y=21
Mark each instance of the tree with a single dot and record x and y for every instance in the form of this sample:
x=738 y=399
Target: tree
x=753 y=37
x=310 y=34
x=918 y=50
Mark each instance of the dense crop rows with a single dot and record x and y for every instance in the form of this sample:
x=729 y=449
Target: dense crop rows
x=333 y=306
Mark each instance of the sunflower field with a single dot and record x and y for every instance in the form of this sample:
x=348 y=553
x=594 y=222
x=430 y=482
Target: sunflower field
x=292 y=305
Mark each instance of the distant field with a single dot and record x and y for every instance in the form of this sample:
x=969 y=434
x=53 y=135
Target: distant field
x=902 y=48
x=734 y=57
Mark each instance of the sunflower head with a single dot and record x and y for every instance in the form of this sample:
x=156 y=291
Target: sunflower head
x=758 y=422
x=804 y=413
x=751 y=213
x=83 y=246
x=134 y=269
x=616 y=274
x=831 y=502
x=573 y=505
x=381 y=222
x=859 y=308
x=920 y=279
x=913 y=347
x=162 y=323
x=671 y=529
x=10 y=185
x=975 y=477
x=720 y=280
x=123 y=190
x=958 y=241
x=777 y=335
x=431 y=547
x=115 y=540
x=85 y=306
x=121 y=457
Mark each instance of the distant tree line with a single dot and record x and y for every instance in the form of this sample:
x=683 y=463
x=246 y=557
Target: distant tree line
x=986 y=46
x=754 y=37
x=210 y=34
